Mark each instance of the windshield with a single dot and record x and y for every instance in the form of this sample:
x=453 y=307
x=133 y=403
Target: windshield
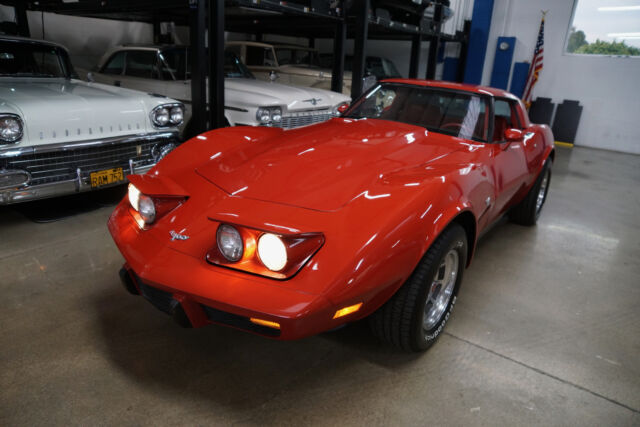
x=293 y=56
x=234 y=68
x=30 y=60
x=176 y=65
x=450 y=112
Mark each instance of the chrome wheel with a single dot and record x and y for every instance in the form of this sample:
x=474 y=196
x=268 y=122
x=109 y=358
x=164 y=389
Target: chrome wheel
x=441 y=290
x=542 y=193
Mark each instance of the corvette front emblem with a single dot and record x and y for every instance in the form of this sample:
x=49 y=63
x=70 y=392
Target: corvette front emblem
x=177 y=236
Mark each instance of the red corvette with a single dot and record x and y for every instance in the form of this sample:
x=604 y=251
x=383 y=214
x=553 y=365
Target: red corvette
x=375 y=213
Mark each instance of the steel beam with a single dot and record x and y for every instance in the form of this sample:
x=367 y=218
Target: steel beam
x=434 y=43
x=216 y=64
x=362 y=8
x=338 y=57
x=21 y=19
x=197 y=28
x=414 y=64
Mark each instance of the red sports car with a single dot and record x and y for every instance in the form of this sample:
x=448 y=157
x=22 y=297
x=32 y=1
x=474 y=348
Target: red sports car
x=373 y=214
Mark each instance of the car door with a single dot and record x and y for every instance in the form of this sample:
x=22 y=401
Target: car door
x=510 y=167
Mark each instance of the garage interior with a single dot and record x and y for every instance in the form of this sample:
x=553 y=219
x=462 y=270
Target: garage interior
x=546 y=329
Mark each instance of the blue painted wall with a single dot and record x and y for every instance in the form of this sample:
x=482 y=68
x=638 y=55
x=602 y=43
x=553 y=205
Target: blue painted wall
x=519 y=79
x=502 y=62
x=480 y=25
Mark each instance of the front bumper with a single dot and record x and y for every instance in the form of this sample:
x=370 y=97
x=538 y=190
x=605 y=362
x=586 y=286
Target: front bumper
x=59 y=169
x=189 y=288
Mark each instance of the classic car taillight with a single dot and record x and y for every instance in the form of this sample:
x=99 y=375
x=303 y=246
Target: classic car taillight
x=149 y=209
x=279 y=256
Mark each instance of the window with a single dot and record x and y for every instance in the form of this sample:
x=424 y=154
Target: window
x=601 y=27
x=115 y=65
x=30 y=60
x=174 y=64
x=141 y=63
x=260 y=56
x=505 y=117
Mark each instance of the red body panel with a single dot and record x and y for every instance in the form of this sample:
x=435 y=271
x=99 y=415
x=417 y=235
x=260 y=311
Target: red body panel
x=379 y=191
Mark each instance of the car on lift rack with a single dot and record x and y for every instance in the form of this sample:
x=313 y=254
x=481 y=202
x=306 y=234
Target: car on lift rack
x=60 y=135
x=248 y=101
x=376 y=213
x=290 y=64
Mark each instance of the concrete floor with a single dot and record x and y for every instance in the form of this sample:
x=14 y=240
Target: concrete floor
x=546 y=331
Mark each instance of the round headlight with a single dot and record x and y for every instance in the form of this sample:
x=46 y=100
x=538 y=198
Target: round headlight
x=146 y=208
x=177 y=115
x=276 y=114
x=263 y=115
x=230 y=242
x=10 y=128
x=272 y=252
x=161 y=116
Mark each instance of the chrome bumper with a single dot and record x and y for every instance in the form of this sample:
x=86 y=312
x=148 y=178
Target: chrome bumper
x=72 y=164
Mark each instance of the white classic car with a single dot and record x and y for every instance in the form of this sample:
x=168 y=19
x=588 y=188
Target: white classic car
x=166 y=70
x=60 y=135
x=296 y=65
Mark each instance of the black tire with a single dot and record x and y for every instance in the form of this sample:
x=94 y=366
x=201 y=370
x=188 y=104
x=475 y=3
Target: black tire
x=527 y=211
x=401 y=320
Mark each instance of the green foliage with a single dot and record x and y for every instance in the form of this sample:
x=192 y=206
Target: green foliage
x=577 y=39
x=601 y=47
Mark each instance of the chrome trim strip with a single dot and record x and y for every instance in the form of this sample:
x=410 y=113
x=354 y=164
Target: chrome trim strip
x=19 y=151
x=61 y=188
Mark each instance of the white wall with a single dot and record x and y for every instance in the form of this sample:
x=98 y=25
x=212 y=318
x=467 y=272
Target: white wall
x=608 y=88
x=87 y=39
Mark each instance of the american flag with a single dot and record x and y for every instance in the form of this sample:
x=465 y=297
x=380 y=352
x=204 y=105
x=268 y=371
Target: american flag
x=536 y=66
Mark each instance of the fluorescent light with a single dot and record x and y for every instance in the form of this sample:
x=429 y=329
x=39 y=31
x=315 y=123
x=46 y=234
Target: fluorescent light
x=618 y=8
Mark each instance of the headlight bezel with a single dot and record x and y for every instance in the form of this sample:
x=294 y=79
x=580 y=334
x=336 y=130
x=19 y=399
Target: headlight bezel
x=168 y=108
x=159 y=206
x=300 y=248
x=273 y=115
x=19 y=121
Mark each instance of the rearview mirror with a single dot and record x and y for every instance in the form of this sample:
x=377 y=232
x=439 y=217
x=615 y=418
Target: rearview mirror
x=511 y=135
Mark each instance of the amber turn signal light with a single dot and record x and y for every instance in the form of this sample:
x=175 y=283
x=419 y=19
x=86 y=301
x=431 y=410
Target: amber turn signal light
x=267 y=323
x=347 y=310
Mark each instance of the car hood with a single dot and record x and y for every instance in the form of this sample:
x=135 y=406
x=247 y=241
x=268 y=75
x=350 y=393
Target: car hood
x=325 y=166
x=59 y=110
x=258 y=92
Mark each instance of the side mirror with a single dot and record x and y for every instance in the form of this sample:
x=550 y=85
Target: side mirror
x=511 y=135
x=90 y=77
x=273 y=76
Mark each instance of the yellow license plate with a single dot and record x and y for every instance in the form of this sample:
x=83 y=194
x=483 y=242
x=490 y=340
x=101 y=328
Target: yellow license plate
x=106 y=177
